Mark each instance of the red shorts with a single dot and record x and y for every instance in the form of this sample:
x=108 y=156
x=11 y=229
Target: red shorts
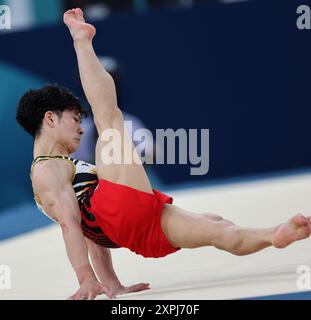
x=132 y=218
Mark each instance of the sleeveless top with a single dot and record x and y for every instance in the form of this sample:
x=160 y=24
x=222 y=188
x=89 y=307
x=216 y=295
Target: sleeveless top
x=84 y=182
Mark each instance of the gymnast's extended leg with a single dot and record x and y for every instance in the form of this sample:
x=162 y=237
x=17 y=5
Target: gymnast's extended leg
x=192 y=230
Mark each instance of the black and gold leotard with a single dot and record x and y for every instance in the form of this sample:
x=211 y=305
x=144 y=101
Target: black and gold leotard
x=84 y=182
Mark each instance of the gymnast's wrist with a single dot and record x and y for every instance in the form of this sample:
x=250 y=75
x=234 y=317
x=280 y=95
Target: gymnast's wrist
x=85 y=273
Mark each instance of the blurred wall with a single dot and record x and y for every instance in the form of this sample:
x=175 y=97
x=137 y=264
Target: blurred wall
x=240 y=70
x=15 y=145
x=34 y=13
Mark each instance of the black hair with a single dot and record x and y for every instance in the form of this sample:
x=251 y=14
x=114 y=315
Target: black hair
x=35 y=103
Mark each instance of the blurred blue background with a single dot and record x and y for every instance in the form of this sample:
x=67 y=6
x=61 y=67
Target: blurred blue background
x=238 y=68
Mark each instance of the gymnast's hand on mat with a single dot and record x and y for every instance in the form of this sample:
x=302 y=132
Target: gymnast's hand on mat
x=134 y=288
x=90 y=289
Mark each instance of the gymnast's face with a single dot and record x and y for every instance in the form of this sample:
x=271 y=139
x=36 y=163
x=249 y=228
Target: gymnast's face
x=66 y=129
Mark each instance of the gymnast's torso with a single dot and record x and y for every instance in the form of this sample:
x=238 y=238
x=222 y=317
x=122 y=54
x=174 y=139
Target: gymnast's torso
x=84 y=182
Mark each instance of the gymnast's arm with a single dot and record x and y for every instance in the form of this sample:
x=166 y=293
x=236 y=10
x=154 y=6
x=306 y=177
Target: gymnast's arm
x=102 y=264
x=52 y=182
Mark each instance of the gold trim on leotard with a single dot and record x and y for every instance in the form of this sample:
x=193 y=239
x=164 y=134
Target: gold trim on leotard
x=42 y=158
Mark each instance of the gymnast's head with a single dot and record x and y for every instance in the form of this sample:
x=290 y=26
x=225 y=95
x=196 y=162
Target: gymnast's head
x=52 y=114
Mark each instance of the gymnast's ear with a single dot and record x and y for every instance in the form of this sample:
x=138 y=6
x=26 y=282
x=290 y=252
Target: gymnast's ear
x=50 y=118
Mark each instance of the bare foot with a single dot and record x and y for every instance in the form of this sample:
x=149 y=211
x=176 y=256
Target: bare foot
x=296 y=228
x=79 y=29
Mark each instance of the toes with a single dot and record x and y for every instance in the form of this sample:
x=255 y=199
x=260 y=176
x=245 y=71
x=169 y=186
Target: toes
x=302 y=219
x=307 y=231
x=79 y=11
x=69 y=11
